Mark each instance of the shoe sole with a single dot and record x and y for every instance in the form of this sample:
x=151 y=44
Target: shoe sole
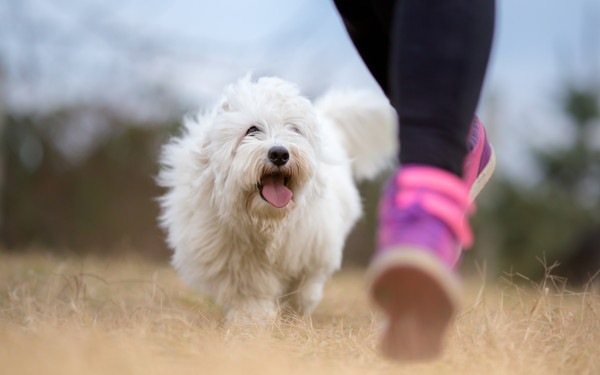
x=484 y=176
x=419 y=297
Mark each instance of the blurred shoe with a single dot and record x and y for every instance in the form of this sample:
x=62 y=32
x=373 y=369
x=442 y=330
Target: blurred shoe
x=480 y=162
x=423 y=227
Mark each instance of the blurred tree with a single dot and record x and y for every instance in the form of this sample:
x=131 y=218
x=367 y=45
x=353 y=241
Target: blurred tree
x=557 y=219
x=2 y=149
x=63 y=185
x=103 y=203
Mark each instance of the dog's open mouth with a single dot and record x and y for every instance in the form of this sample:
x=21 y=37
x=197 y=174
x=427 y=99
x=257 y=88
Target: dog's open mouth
x=274 y=189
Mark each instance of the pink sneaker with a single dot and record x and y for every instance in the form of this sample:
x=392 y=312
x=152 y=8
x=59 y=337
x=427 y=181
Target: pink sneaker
x=423 y=227
x=480 y=162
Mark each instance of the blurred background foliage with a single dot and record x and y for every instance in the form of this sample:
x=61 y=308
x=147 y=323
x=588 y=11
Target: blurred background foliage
x=77 y=176
x=557 y=219
x=101 y=202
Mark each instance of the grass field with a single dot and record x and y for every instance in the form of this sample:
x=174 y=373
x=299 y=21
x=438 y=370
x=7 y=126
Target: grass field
x=91 y=316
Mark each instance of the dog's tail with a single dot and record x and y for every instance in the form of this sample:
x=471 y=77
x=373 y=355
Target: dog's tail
x=367 y=125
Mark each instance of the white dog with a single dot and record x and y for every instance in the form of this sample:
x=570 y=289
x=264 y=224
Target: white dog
x=261 y=192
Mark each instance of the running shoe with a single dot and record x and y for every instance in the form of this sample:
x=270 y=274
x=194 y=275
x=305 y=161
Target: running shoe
x=423 y=227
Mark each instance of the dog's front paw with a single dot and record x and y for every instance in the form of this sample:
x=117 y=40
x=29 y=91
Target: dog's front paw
x=309 y=295
x=252 y=314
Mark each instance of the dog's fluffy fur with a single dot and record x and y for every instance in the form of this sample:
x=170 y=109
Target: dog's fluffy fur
x=229 y=241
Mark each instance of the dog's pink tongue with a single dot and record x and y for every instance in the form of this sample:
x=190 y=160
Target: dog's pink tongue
x=275 y=192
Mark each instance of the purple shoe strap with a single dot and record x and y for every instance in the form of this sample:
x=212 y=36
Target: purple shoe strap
x=441 y=194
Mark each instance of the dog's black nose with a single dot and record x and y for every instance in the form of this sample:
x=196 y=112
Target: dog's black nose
x=279 y=155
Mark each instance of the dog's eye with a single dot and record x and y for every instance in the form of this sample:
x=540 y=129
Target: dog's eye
x=251 y=130
x=295 y=128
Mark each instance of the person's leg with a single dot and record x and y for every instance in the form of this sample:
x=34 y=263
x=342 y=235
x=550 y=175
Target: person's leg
x=440 y=51
x=368 y=24
x=439 y=54
x=429 y=56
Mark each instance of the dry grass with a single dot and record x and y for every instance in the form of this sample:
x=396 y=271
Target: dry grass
x=90 y=316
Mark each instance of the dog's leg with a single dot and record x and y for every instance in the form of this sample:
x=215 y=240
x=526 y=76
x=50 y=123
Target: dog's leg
x=309 y=293
x=251 y=312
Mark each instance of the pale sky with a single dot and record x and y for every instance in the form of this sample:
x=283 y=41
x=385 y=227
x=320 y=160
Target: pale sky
x=206 y=44
x=538 y=44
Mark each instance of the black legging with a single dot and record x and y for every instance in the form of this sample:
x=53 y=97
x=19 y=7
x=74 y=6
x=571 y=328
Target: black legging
x=430 y=58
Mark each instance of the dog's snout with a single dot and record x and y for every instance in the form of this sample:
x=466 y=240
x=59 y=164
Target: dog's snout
x=279 y=155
